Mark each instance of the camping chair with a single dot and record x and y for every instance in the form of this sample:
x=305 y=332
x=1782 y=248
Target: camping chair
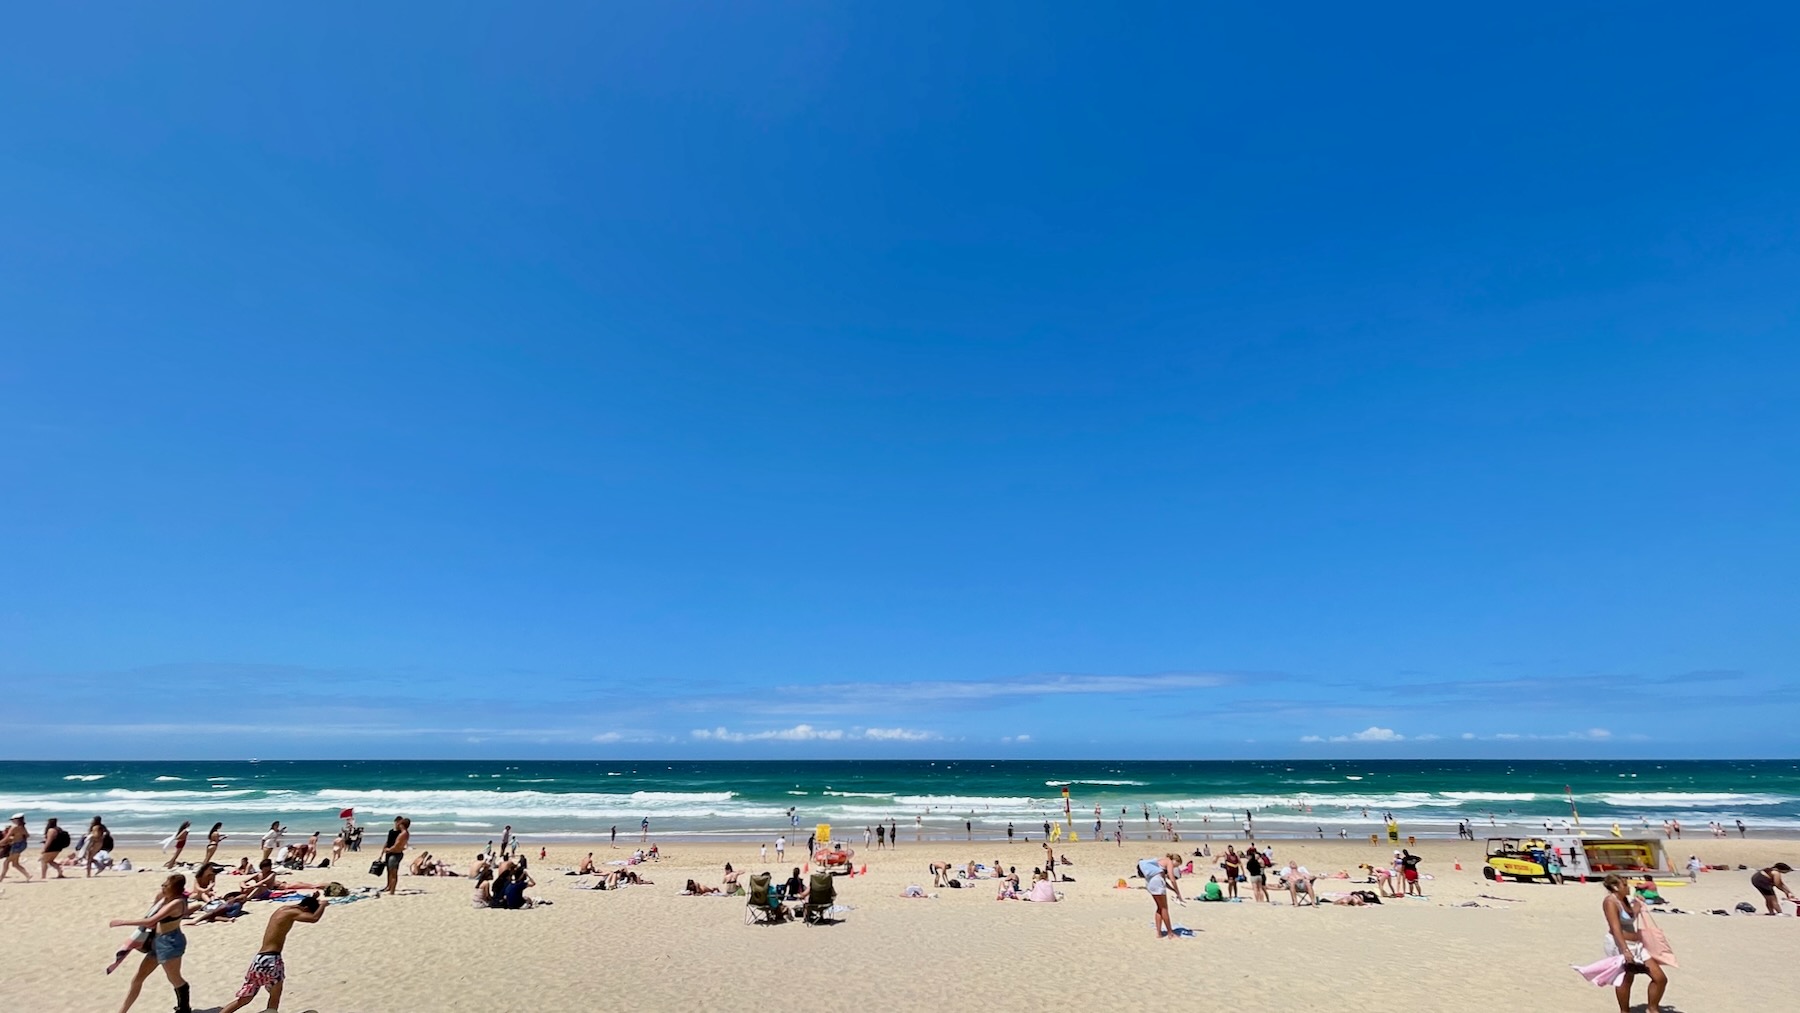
x=762 y=907
x=821 y=894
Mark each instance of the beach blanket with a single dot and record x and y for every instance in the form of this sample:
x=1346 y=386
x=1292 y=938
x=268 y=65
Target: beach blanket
x=1604 y=973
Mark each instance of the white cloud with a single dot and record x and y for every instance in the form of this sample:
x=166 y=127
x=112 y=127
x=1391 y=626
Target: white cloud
x=1015 y=738
x=899 y=735
x=809 y=733
x=608 y=737
x=1591 y=735
x=1373 y=733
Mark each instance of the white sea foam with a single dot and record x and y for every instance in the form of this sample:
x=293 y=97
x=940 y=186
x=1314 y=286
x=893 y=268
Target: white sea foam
x=1492 y=796
x=961 y=803
x=83 y=777
x=1682 y=799
x=857 y=794
x=166 y=777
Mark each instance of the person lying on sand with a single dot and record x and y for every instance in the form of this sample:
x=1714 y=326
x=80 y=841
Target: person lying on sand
x=226 y=908
x=694 y=889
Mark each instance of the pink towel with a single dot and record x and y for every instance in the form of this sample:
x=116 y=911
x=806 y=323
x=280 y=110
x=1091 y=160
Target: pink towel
x=1604 y=973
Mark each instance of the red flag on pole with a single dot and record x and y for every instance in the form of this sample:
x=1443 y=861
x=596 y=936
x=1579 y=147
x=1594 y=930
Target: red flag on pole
x=346 y=814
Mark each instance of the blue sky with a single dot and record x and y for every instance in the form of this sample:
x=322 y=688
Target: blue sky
x=925 y=379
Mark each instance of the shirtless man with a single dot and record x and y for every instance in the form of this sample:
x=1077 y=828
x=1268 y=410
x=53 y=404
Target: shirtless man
x=266 y=968
x=394 y=852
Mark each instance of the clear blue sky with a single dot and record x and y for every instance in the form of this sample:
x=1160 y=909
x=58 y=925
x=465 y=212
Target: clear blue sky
x=899 y=379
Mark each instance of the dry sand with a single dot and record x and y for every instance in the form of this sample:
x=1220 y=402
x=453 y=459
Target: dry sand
x=647 y=948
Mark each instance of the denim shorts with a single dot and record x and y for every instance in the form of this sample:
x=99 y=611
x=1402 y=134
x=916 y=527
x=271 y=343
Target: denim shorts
x=169 y=946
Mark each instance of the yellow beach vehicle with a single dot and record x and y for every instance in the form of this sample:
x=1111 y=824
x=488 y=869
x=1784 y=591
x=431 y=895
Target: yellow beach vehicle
x=1517 y=858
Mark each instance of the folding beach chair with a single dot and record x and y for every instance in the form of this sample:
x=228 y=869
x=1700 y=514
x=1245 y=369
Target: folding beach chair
x=762 y=906
x=821 y=894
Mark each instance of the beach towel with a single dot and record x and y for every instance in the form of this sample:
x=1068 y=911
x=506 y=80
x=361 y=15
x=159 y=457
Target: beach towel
x=1043 y=892
x=1607 y=972
x=1656 y=945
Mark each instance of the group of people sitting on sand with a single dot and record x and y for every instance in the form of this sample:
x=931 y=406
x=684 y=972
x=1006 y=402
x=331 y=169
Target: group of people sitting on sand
x=503 y=885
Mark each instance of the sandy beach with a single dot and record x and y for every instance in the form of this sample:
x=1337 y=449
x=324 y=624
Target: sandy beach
x=647 y=947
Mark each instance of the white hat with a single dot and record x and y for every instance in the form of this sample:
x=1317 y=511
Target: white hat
x=18 y=816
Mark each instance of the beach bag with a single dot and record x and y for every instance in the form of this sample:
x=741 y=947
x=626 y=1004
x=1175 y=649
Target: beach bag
x=377 y=867
x=1656 y=945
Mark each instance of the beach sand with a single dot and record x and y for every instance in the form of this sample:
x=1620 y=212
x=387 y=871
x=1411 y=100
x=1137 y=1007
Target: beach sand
x=648 y=948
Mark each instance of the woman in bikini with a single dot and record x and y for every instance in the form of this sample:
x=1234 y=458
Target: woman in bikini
x=1622 y=910
x=213 y=837
x=167 y=944
x=181 y=837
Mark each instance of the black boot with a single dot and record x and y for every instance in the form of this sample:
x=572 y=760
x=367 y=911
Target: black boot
x=181 y=999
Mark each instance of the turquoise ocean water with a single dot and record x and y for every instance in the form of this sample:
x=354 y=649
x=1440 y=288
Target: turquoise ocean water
x=472 y=800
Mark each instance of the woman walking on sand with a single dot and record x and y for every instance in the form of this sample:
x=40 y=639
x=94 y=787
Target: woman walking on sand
x=213 y=837
x=1623 y=911
x=55 y=840
x=181 y=836
x=167 y=944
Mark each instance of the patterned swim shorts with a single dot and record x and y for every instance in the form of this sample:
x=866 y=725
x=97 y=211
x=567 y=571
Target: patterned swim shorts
x=265 y=970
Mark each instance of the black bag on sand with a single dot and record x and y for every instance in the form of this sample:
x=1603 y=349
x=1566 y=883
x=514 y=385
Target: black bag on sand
x=377 y=867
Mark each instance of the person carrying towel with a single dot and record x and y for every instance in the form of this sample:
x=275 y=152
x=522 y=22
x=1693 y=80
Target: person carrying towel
x=1160 y=876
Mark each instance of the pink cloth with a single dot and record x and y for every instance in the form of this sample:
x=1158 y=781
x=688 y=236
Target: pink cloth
x=1043 y=892
x=1604 y=973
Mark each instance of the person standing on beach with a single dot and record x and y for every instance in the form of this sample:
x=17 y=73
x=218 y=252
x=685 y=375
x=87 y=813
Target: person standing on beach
x=1009 y=833
x=55 y=840
x=1767 y=881
x=267 y=969
x=272 y=839
x=615 y=836
x=505 y=840
x=1259 y=878
x=893 y=833
x=644 y=830
x=1409 y=871
x=181 y=838
x=880 y=837
x=780 y=847
x=969 y=829
x=1622 y=911
x=1159 y=879
x=394 y=851
x=213 y=839
x=167 y=942
x=1230 y=864
x=13 y=841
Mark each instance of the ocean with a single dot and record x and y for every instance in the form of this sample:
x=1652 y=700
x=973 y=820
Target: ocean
x=470 y=800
